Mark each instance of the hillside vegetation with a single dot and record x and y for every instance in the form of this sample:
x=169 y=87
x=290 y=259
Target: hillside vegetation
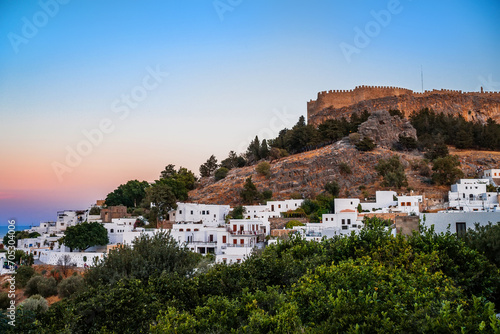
x=366 y=283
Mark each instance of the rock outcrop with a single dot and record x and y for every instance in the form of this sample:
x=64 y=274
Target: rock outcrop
x=385 y=129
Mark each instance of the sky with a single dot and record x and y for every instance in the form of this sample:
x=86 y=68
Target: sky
x=96 y=93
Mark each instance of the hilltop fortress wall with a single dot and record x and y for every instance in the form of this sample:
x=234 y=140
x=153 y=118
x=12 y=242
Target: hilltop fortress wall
x=333 y=104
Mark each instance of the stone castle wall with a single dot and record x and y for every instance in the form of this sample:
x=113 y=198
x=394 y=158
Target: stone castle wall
x=474 y=106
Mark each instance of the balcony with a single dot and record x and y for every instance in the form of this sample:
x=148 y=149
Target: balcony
x=240 y=245
x=313 y=234
x=205 y=243
x=245 y=233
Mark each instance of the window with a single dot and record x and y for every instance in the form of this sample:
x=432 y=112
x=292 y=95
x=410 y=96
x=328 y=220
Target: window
x=344 y=227
x=402 y=203
x=208 y=212
x=180 y=212
x=223 y=239
x=408 y=203
x=181 y=230
x=112 y=231
x=188 y=230
x=196 y=230
x=235 y=241
x=191 y=211
x=242 y=241
x=348 y=222
x=279 y=206
x=326 y=219
x=203 y=212
x=343 y=221
x=62 y=224
x=461 y=228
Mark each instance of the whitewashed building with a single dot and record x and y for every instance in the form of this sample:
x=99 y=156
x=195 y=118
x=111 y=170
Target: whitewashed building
x=272 y=209
x=230 y=243
x=205 y=213
x=458 y=221
x=471 y=195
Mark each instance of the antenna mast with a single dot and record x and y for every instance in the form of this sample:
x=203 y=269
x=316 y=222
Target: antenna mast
x=422 y=77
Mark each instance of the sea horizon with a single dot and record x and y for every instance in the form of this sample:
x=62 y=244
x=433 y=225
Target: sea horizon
x=5 y=228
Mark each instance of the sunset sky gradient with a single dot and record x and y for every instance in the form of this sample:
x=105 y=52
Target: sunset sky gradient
x=231 y=75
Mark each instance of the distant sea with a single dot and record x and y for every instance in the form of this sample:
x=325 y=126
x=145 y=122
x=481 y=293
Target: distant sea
x=5 y=228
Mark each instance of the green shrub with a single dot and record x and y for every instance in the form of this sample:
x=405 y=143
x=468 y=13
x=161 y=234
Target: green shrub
x=267 y=194
x=366 y=144
x=70 y=285
x=4 y=300
x=45 y=286
x=293 y=223
x=485 y=239
x=36 y=304
x=32 y=285
x=392 y=171
x=345 y=168
x=221 y=173
x=23 y=275
x=264 y=168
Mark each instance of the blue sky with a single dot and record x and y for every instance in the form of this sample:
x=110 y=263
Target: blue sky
x=227 y=74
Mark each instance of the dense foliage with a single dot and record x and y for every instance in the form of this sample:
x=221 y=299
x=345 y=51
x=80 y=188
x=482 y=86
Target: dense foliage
x=304 y=137
x=367 y=282
x=130 y=194
x=172 y=187
x=486 y=240
x=456 y=131
x=446 y=170
x=393 y=172
x=85 y=235
x=148 y=258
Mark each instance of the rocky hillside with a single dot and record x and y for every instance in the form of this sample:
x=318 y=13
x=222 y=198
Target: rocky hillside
x=305 y=174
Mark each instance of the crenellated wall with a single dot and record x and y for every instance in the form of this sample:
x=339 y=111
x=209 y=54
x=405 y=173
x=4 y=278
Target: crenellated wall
x=476 y=106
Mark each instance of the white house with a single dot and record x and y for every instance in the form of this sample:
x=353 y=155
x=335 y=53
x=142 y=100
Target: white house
x=409 y=204
x=383 y=199
x=230 y=243
x=206 y=213
x=272 y=209
x=493 y=175
x=471 y=195
x=457 y=221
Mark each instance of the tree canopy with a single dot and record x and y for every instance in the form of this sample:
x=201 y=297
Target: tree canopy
x=392 y=171
x=209 y=167
x=368 y=282
x=130 y=194
x=85 y=235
